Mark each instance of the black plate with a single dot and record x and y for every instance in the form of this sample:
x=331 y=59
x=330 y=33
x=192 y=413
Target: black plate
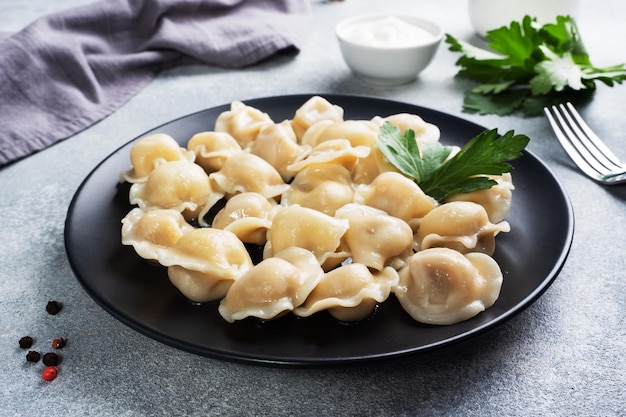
x=140 y=295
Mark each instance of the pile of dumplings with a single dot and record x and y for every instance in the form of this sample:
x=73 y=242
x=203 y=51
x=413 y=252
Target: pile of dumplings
x=339 y=228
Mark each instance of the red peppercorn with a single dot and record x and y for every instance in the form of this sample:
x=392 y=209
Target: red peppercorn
x=49 y=373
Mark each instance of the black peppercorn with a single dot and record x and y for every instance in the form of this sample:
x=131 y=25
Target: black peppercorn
x=51 y=359
x=26 y=342
x=33 y=356
x=53 y=307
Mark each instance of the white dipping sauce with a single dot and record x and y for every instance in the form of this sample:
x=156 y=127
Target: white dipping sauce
x=387 y=32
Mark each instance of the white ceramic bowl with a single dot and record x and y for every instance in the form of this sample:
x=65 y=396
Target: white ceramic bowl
x=486 y=15
x=388 y=49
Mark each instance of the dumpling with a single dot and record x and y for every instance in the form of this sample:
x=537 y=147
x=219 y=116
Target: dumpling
x=374 y=238
x=443 y=286
x=312 y=111
x=349 y=292
x=244 y=172
x=151 y=232
x=496 y=200
x=322 y=187
x=357 y=132
x=424 y=131
x=308 y=229
x=310 y=137
x=337 y=151
x=396 y=195
x=212 y=149
x=248 y=215
x=205 y=262
x=371 y=167
x=242 y=122
x=273 y=287
x=151 y=151
x=178 y=185
x=360 y=134
x=278 y=145
x=459 y=225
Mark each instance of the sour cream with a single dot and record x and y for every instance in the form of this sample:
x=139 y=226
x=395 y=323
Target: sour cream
x=387 y=32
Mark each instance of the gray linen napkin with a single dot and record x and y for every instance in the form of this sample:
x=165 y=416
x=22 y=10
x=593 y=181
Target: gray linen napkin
x=68 y=70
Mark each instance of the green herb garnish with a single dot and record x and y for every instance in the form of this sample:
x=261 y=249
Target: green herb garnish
x=440 y=176
x=530 y=66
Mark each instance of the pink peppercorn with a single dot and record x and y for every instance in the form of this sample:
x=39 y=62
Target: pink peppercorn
x=49 y=373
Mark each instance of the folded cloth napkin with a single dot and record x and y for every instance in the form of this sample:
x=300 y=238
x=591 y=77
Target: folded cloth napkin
x=68 y=70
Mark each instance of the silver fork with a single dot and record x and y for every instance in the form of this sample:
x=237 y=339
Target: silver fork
x=585 y=148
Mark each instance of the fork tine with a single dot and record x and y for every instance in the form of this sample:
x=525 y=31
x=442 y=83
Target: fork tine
x=593 y=143
x=562 y=132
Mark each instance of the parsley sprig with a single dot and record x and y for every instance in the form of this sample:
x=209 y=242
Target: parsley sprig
x=529 y=66
x=441 y=176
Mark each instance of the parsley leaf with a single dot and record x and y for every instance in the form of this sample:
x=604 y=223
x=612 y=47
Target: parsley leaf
x=502 y=103
x=440 y=175
x=529 y=66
